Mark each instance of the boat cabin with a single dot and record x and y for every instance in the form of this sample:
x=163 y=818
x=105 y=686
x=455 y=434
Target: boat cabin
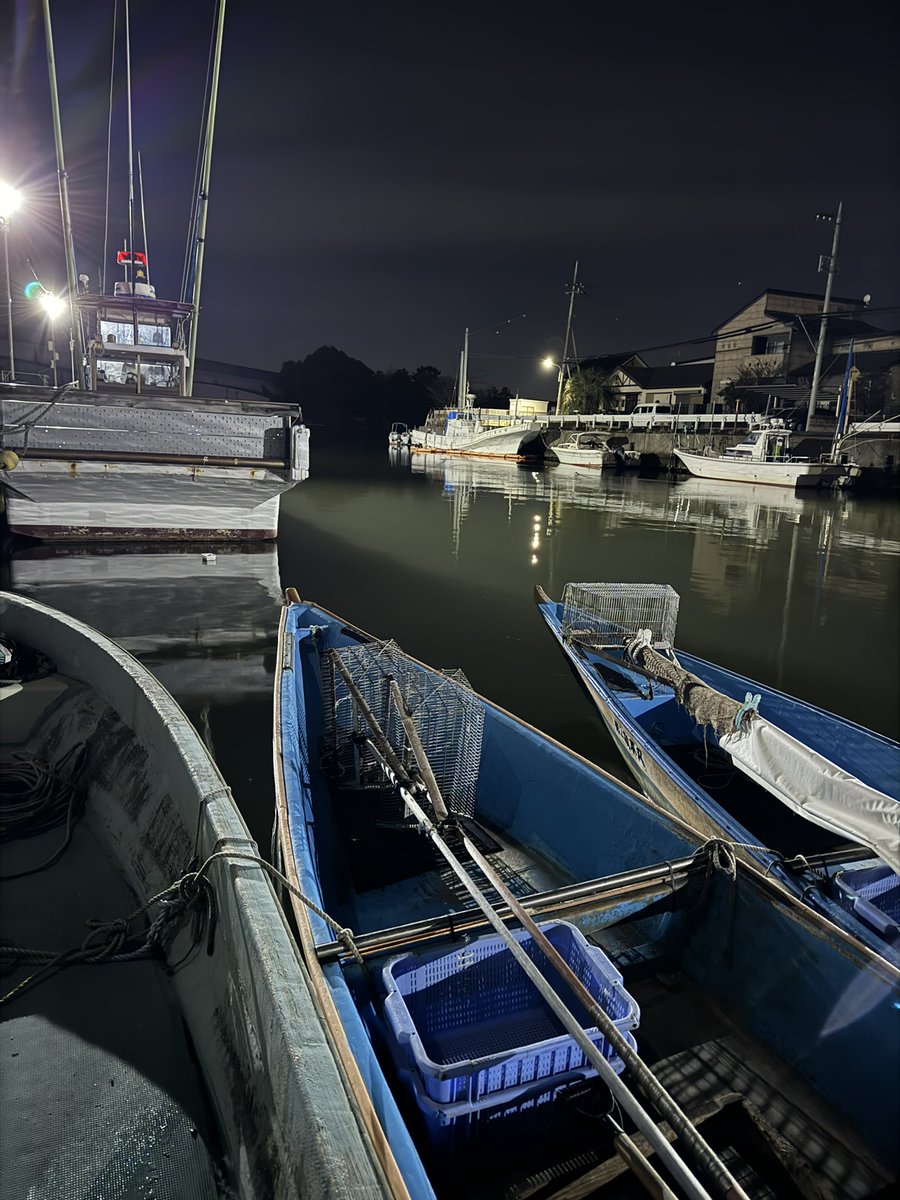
x=769 y=444
x=135 y=342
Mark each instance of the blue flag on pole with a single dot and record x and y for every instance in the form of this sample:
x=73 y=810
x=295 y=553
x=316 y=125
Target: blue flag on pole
x=844 y=403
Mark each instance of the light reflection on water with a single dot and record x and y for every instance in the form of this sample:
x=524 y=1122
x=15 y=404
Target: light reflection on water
x=443 y=554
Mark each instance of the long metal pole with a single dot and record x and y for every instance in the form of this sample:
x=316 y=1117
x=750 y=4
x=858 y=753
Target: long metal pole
x=12 y=353
x=562 y=365
x=74 y=323
x=204 y=198
x=820 y=345
x=646 y=1079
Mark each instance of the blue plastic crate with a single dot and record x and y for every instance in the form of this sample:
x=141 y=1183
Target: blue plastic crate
x=530 y=1111
x=872 y=891
x=470 y=1023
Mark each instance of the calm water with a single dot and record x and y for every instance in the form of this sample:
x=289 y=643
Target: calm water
x=443 y=555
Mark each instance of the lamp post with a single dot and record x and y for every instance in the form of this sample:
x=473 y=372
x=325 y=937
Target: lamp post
x=10 y=200
x=54 y=307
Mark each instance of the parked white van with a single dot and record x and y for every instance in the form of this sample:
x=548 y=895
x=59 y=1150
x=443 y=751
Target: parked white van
x=646 y=416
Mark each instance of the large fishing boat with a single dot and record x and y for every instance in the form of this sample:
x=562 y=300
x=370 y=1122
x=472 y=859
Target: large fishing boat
x=124 y=449
x=468 y=430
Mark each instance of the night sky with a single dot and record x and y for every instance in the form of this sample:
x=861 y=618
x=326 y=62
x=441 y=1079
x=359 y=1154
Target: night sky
x=386 y=174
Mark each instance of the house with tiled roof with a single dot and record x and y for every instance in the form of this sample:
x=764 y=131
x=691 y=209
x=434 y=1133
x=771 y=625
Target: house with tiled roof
x=777 y=331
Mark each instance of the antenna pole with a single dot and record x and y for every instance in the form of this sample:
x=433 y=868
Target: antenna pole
x=565 y=354
x=204 y=199
x=74 y=322
x=820 y=344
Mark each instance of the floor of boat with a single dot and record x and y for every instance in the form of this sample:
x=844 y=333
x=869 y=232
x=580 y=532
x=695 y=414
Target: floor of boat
x=708 y=1066
x=393 y=874
x=99 y=1089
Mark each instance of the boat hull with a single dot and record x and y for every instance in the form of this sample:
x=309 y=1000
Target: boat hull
x=86 y=501
x=778 y=474
x=514 y=442
x=573 y=457
x=593 y=826
x=664 y=782
x=86 y=466
x=155 y=804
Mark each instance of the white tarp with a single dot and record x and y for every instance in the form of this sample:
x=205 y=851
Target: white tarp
x=817 y=789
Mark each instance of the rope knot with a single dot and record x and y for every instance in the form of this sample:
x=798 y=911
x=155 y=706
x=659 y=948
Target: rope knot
x=721 y=856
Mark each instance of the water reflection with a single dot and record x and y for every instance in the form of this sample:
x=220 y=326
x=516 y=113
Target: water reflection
x=203 y=619
x=774 y=584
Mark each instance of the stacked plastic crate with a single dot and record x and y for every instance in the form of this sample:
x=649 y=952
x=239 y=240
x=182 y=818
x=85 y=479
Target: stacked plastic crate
x=476 y=1041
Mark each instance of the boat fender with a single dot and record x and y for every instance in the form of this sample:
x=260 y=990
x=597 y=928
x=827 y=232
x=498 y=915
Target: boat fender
x=9 y=460
x=750 y=705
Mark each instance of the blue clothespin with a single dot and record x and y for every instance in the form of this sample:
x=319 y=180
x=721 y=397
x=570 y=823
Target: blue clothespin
x=751 y=704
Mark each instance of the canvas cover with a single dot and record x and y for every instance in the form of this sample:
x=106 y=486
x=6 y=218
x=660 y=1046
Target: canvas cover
x=817 y=788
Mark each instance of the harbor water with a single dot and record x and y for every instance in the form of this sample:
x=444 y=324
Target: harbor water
x=442 y=555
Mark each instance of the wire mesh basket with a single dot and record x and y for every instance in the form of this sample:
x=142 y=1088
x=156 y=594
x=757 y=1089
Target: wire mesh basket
x=447 y=715
x=605 y=613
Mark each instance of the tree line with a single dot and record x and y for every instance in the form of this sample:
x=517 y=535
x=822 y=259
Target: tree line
x=333 y=389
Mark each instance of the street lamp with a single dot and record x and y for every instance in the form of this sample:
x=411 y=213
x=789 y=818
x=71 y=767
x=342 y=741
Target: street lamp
x=54 y=307
x=10 y=200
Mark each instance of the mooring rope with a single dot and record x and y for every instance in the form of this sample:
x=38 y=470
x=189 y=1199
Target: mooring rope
x=114 y=942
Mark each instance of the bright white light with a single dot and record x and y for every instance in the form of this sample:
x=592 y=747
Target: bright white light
x=547 y=363
x=534 y=559
x=52 y=305
x=10 y=200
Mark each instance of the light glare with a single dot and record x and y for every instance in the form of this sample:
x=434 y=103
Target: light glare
x=10 y=201
x=52 y=305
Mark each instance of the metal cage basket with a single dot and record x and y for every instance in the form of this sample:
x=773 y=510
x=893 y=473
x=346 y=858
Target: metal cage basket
x=448 y=717
x=606 y=613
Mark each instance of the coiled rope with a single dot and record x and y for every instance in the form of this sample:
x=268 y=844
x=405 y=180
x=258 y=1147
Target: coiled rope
x=35 y=797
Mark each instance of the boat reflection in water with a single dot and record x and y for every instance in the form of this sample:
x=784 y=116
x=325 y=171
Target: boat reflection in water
x=754 y=512
x=200 y=617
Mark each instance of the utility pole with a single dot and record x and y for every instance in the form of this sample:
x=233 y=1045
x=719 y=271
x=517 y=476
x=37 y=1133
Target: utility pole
x=573 y=290
x=820 y=345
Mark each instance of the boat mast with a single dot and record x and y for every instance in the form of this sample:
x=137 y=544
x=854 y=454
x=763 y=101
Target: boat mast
x=203 y=200
x=74 y=319
x=462 y=386
x=820 y=344
x=565 y=354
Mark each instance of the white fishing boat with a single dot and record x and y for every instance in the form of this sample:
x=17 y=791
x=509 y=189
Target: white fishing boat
x=125 y=450
x=159 y=1034
x=764 y=456
x=469 y=430
x=588 y=448
x=399 y=435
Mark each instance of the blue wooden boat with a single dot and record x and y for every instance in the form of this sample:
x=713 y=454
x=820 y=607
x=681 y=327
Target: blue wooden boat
x=524 y=965
x=810 y=797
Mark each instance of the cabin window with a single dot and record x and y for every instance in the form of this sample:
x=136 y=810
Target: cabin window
x=122 y=333
x=159 y=375
x=112 y=370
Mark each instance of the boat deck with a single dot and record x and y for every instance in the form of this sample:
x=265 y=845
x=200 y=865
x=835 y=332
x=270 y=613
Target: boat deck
x=764 y=1120
x=99 y=1088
